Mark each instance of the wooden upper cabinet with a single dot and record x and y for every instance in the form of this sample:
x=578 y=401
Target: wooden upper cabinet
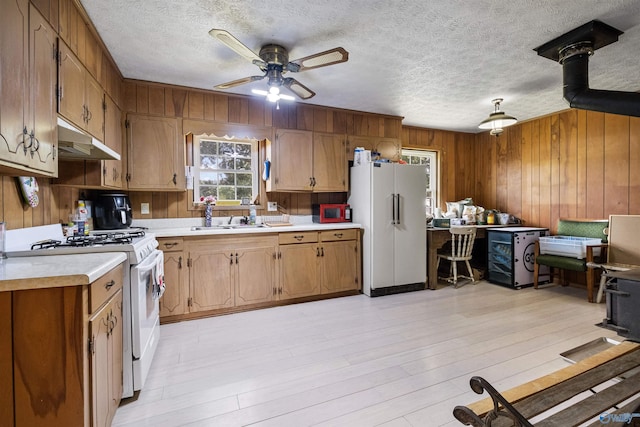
x=27 y=92
x=49 y=10
x=329 y=162
x=291 y=157
x=68 y=23
x=112 y=169
x=81 y=98
x=307 y=161
x=155 y=150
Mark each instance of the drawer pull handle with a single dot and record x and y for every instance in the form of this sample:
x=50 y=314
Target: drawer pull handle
x=298 y=237
x=169 y=245
x=109 y=284
x=338 y=235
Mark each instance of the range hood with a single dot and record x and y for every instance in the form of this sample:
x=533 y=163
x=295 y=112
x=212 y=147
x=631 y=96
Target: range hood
x=74 y=143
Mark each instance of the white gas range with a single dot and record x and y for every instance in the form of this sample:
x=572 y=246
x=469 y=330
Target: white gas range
x=143 y=286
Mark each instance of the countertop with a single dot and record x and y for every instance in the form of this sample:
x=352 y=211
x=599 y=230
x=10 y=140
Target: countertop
x=53 y=271
x=178 y=231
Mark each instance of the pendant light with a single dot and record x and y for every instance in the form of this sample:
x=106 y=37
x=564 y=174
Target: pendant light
x=497 y=120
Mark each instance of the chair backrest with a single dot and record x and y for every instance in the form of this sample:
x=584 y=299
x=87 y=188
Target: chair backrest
x=462 y=239
x=593 y=228
x=624 y=240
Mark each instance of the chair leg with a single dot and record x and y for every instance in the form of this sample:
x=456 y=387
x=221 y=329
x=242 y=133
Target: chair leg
x=455 y=273
x=536 y=269
x=591 y=278
x=470 y=271
x=563 y=280
x=603 y=283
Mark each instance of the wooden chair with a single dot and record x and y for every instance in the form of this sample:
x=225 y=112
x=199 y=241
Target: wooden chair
x=462 y=239
x=623 y=249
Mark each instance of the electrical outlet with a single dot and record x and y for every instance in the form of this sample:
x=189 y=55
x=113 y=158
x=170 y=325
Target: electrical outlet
x=272 y=206
x=144 y=208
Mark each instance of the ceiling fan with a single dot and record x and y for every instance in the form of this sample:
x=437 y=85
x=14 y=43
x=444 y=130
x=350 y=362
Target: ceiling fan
x=273 y=61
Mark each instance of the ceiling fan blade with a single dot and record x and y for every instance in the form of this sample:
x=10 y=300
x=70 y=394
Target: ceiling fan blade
x=239 y=82
x=287 y=97
x=322 y=59
x=298 y=89
x=236 y=45
x=260 y=92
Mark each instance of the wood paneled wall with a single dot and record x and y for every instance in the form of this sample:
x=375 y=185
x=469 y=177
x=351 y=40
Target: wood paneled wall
x=456 y=160
x=573 y=164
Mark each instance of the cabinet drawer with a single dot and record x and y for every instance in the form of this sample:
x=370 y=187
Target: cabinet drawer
x=298 y=237
x=170 y=245
x=333 y=235
x=105 y=287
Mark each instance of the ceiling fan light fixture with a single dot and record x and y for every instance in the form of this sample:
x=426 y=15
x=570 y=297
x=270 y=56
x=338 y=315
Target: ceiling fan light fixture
x=497 y=120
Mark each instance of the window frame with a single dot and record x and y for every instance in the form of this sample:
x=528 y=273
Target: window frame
x=433 y=174
x=255 y=167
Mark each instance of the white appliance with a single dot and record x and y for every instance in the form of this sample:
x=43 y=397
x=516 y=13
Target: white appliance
x=388 y=199
x=142 y=288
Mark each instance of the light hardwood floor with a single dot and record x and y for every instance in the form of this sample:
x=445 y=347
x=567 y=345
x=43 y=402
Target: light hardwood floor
x=399 y=360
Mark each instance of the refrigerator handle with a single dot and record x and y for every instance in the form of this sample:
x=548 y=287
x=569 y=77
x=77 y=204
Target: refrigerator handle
x=398 y=208
x=393 y=208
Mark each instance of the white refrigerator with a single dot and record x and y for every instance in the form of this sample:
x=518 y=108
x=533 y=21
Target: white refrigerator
x=388 y=199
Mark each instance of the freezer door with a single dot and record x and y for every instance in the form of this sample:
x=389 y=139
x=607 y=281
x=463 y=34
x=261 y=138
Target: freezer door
x=382 y=227
x=410 y=240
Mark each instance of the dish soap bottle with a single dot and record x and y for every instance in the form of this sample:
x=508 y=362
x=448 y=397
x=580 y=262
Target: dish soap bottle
x=81 y=218
x=252 y=214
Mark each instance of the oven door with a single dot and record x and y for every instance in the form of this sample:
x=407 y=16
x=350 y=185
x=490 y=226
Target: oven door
x=147 y=284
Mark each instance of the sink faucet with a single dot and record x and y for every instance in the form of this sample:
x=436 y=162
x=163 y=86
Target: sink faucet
x=230 y=218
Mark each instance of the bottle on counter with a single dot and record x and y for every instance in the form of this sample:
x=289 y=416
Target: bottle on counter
x=252 y=214
x=80 y=219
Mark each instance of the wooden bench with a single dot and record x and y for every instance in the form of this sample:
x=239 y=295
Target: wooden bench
x=593 y=228
x=524 y=402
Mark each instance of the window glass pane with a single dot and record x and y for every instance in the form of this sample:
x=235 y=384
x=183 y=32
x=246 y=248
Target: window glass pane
x=225 y=163
x=208 y=178
x=207 y=162
x=243 y=179
x=428 y=159
x=243 y=164
x=208 y=190
x=227 y=179
x=226 y=148
x=209 y=147
x=243 y=150
x=227 y=193
x=244 y=192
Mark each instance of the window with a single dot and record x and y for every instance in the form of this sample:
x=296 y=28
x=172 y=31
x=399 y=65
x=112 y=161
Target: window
x=225 y=168
x=427 y=158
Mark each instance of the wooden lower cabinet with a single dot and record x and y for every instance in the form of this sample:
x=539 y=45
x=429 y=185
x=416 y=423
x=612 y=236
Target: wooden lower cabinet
x=340 y=260
x=299 y=259
x=6 y=359
x=176 y=277
x=214 y=274
x=66 y=354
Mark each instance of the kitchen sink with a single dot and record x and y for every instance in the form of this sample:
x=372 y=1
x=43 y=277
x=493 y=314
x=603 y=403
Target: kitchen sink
x=228 y=227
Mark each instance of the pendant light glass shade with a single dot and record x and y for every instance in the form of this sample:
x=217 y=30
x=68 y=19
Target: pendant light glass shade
x=497 y=120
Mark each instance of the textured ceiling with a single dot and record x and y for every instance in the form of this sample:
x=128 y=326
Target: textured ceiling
x=436 y=63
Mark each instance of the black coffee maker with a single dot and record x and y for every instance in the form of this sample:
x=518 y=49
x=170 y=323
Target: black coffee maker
x=112 y=211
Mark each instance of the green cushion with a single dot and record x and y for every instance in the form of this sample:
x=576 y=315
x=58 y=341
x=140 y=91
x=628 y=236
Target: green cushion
x=593 y=229
x=563 y=262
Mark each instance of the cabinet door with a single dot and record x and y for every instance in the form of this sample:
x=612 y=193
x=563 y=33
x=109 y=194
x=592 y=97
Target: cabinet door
x=299 y=270
x=339 y=266
x=14 y=45
x=94 y=107
x=42 y=118
x=71 y=82
x=112 y=169
x=211 y=280
x=174 y=299
x=255 y=275
x=329 y=162
x=292 y=165
x=6 y=360
x=156 y=153
x=366 y=142
x=105 y=328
